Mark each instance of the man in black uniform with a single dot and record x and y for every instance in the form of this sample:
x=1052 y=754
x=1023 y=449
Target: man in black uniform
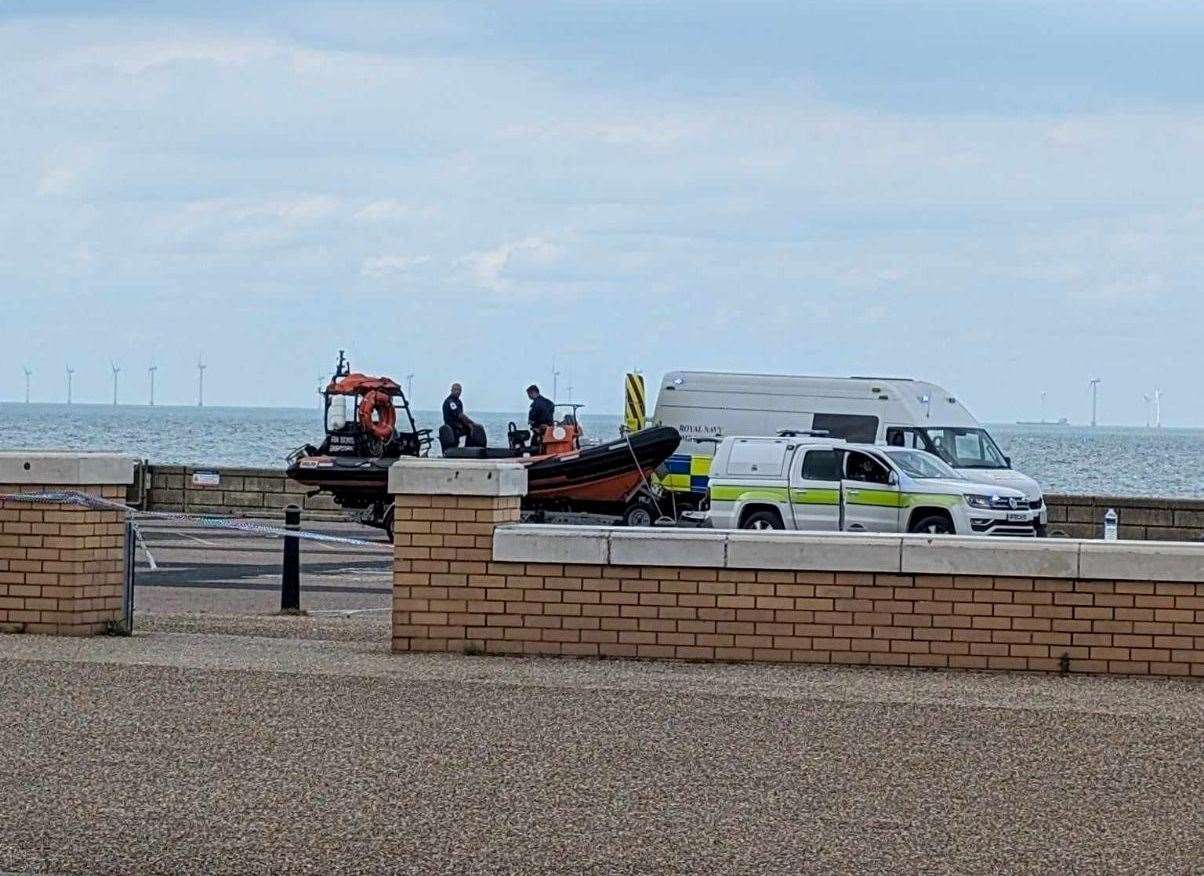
x=453 y=414
x=543 y=411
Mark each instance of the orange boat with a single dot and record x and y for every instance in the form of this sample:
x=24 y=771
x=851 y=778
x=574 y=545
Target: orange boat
x=352 y=463
x=564 y=475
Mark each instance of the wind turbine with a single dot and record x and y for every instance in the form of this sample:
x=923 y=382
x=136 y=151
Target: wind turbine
x=28 y=374
x=200 y=381
x=1149 y=406
x=1157 y=408
x=1095 y=382
x=410 y=386
x=70 y=371
x=116 y=370
x=151 y=371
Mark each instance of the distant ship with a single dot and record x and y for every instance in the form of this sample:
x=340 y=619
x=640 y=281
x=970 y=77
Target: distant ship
x=1062 y=422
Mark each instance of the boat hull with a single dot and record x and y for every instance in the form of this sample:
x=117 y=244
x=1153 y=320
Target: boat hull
x=604 y=475
x=600 y=478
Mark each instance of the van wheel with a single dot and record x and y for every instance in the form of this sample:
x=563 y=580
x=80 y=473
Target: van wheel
x=933 y=524
x=763 y=520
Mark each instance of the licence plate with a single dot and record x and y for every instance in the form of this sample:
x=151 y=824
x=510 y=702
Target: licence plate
x=1018 y=516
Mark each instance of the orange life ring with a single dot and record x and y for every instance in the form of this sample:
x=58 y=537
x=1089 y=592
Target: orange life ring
x=378 y=403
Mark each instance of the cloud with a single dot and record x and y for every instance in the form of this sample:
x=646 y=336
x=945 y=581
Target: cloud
x=512 y=266
x=389 y=210
x=138 y=57
x=380 y=267
x=293 y=210
x=58 y=180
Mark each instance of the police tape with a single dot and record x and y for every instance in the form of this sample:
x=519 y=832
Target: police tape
x=71 y=497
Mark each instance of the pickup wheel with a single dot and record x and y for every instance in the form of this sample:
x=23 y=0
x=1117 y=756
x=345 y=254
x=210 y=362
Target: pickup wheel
x=762 y=520
x=932 y=524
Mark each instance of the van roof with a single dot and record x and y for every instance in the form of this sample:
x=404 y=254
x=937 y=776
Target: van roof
x=806 y=439
x=774 y=376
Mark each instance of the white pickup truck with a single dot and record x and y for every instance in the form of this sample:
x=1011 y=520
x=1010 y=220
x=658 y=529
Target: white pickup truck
x=810 y=483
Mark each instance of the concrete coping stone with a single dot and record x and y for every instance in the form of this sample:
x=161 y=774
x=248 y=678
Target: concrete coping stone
x=457 y=477
x=587 y=545
x=670 y=547
x=65 y=467
x=1142 y=560
x=815 y=551
x=852 y=552
x=990 y=555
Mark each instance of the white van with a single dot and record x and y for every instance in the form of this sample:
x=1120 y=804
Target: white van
x=706 y=406
x=826 y=485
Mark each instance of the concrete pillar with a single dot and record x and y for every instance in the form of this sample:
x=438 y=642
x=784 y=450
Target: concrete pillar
x=62 y=567
x=444 y=514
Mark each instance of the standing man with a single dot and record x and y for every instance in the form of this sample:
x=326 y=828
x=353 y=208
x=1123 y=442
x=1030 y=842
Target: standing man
x=453 y=414
x=542 y=413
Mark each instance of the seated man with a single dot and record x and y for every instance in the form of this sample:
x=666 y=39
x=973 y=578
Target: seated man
x=453 y=415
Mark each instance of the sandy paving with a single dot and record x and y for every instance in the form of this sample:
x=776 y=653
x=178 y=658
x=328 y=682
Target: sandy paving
x=271 y=745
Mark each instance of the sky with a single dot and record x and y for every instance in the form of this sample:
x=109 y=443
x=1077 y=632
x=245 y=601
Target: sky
x=1006 y=198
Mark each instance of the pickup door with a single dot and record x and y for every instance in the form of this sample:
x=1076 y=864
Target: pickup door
x=815 y=489
x=871 y=501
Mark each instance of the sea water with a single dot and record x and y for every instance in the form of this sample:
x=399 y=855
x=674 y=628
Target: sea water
x=1063 y=459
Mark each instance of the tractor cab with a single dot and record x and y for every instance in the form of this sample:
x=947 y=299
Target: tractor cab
x=369 y=417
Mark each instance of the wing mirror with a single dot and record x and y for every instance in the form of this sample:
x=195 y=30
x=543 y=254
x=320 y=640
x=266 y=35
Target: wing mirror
x=893 y=480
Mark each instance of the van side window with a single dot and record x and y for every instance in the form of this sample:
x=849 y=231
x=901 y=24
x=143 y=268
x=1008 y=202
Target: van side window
x=821 y=465
x=862 y=467
x=856 y=428
x=897 y=436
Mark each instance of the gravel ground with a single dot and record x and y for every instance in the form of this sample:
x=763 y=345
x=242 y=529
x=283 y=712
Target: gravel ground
x=236 y=751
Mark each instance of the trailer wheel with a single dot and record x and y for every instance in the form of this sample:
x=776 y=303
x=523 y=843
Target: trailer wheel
x=387 y=520
x=637 y=513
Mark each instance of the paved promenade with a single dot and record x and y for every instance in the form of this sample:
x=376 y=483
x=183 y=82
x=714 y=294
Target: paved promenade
x=258 y=744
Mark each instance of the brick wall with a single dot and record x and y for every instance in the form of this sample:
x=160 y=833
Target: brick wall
x=439 y=543
x=454 y=590
x=61 y=566
x=807 y=617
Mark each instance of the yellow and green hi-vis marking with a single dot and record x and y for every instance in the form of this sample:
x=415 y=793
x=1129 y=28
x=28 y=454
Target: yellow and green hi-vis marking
x=813 y=496
x=895 y=499
x=633 y=408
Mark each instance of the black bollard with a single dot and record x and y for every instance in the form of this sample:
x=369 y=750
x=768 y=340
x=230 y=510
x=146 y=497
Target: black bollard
x=290 y=579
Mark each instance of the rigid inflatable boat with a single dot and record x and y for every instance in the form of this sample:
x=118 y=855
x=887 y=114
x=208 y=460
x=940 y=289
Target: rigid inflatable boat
x=369 y=426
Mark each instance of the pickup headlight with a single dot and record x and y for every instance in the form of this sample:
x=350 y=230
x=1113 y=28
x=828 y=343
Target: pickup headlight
x=977 y=501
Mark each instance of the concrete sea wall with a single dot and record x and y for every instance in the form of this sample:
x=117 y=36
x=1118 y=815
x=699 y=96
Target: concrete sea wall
x=242 y=492
x=263 y=492
x=1146 y=519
